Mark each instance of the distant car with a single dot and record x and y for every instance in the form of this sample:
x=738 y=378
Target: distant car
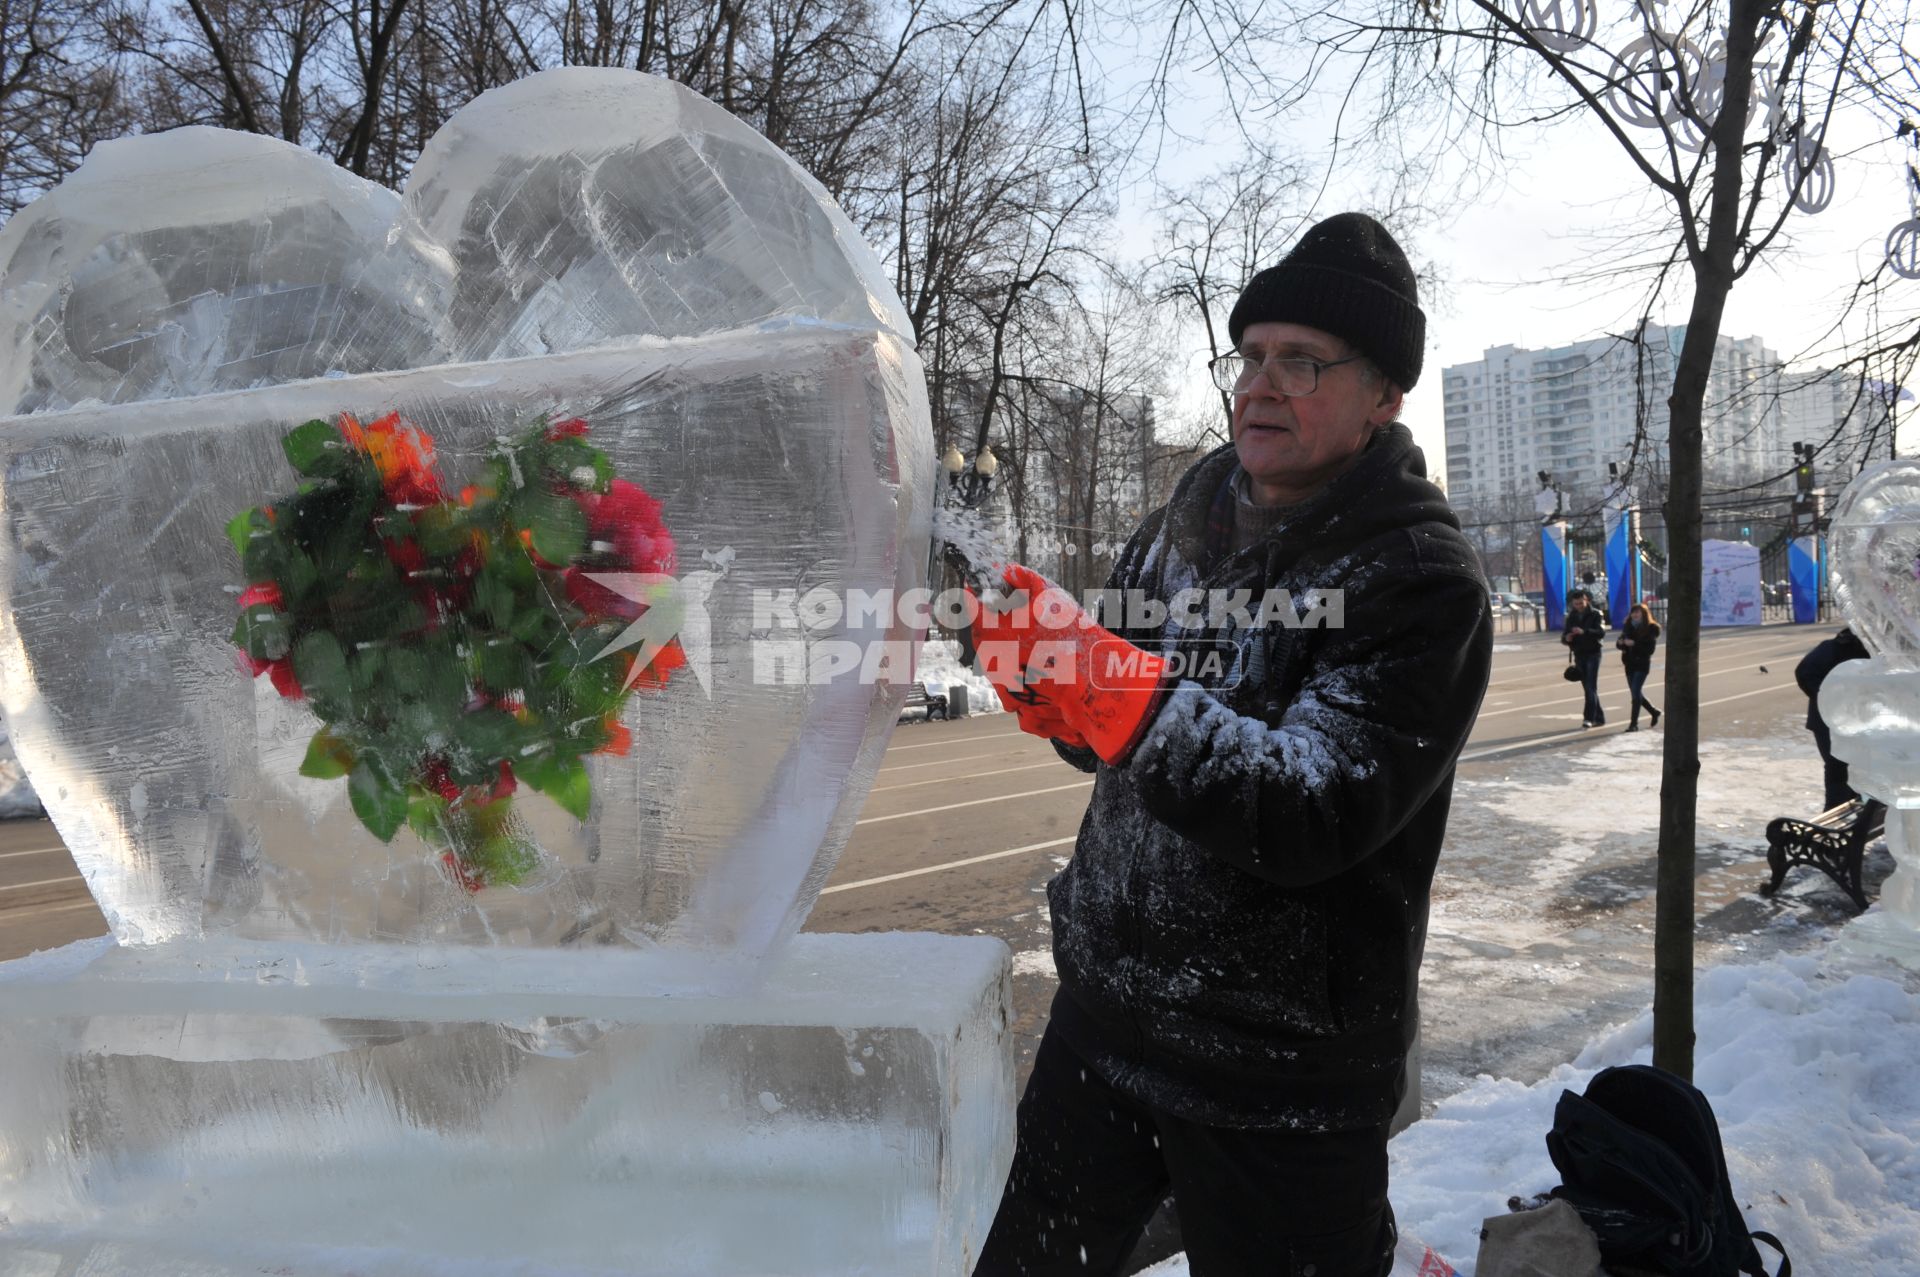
x=1506 y=601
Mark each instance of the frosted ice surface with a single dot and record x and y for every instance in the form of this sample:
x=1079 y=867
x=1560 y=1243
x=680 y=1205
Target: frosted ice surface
x=619 y=249
x=396 y=1110
x=1876 y=559
x=579 y=205
x=565 y=210
x=194 y=261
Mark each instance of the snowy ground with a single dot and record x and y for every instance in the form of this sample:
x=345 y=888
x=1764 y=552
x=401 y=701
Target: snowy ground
x=1538 y=975
x=16 y=793
x=939 y=668
x=1809 y=1062
x=1541 y=934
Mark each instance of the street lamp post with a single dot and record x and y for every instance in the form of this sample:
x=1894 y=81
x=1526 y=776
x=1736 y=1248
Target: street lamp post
x=968 y=484
x=961 y=539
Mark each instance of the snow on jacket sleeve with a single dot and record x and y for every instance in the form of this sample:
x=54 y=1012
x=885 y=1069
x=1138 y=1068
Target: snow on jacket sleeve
x=1375 y=729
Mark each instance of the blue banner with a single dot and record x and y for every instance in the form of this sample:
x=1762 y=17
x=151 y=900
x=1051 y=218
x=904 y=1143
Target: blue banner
x=1620 y=563
x=1803 y=575
x=1553 y=572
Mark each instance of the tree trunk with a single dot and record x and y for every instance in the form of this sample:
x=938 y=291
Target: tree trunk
x=1712 y=262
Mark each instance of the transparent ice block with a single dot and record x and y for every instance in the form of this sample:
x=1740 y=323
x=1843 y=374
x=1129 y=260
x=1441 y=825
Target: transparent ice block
x=390 y=1109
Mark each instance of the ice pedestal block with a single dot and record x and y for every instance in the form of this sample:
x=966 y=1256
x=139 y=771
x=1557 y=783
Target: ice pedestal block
x=388 y=1109
x=174 y=776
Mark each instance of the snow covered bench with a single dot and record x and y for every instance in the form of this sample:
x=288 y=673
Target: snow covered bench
x=918 y=697
x=1835 y=842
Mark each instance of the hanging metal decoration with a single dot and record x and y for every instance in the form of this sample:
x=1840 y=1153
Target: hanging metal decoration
x=1665 y=81
x=1903 y=249
x=1657 y=75
x=1903 y=241
x=1561 y=25
x=1807 y=170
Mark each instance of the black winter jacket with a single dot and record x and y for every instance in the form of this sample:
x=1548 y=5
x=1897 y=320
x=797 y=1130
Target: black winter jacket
x=1587 y=629
x=1646 y=637
x=1818 y=663
x=1239 y=932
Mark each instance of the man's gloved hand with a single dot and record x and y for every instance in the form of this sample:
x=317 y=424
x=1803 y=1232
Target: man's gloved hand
x=1039 y=718
x=1046 y=653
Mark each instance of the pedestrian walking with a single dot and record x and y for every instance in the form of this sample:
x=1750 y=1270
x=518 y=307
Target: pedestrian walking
x=1582 y=635
x=1239 y=932
x=1638 y=637
x=1810 y=674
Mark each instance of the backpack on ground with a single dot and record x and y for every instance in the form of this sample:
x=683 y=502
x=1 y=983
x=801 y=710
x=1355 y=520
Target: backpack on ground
x=1641 y=1161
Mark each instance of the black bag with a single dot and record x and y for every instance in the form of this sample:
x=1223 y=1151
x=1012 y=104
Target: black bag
x=1641 y=1158
x=1572 y=672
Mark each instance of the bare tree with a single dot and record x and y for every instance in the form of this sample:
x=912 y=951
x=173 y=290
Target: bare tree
x=238 y=64
x=374 y=38
x=59 y=93
x=1086 y=380
x=1216 y=234
x=994 y=195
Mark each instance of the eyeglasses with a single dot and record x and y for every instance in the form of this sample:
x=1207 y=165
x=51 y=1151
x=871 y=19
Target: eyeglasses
x=1294 y=376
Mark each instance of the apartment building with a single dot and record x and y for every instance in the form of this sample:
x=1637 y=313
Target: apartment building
x=1570 y=410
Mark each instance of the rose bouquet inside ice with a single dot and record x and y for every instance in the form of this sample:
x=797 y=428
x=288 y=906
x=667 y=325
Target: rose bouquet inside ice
x=456 y=646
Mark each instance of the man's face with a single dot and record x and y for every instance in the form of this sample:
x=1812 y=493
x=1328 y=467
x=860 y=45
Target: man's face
x=1291 y=447
x=1579 y=602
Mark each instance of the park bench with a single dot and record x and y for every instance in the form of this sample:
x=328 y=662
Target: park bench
x=918 y=697
x=1835 y=841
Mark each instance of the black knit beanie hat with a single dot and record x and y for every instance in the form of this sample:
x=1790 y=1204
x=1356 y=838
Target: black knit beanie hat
x=1347 y=277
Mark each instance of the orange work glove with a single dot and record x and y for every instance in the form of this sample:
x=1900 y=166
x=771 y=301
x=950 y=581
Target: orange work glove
x=1038 y=717
x=1046 y=651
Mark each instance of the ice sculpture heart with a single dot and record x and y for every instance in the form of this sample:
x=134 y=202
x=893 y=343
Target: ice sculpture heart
x=1876 y=560
x=584 y=243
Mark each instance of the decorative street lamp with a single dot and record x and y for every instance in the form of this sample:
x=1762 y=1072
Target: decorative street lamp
x=962 y=539
x=972 y=482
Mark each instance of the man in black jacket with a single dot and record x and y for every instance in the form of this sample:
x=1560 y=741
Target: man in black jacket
x=1810 y=674
x=1582 y=634
x=1239 y=932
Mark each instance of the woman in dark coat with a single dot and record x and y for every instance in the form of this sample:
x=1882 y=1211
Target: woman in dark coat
x=1638 y=638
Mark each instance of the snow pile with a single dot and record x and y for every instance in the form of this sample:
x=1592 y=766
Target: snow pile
x=16 y=791
x=1810 y=1064
x=940 y=669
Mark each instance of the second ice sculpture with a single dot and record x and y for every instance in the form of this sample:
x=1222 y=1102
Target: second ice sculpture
x=1872 y=707
x=385 y=584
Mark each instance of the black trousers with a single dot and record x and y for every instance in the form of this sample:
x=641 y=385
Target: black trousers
x=1588 y=664
x=1838 y=790
x=1092 y=1164
x=1636 y=685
